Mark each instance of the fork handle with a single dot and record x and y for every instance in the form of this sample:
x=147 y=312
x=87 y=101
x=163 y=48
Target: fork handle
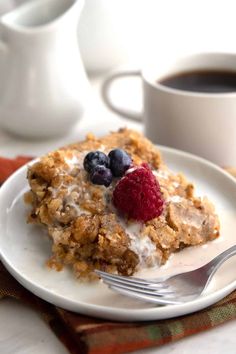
x=215 y=263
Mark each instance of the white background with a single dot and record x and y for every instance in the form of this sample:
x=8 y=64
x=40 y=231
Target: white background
x=135 y=29
x=112 y=32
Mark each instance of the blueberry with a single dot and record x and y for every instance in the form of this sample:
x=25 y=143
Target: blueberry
x=120 y=161
x=95 y=158
x=101 y=175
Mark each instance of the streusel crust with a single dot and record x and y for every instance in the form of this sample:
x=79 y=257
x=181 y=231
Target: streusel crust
x=88 y=233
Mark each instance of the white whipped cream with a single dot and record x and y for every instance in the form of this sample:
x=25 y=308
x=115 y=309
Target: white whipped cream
x=140 y=244
x=164 y=174
x=175 y=199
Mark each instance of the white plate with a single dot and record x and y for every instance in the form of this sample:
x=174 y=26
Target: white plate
x=25 y=248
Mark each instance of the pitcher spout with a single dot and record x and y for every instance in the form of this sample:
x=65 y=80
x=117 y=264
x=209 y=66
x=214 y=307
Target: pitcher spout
x=42 y=14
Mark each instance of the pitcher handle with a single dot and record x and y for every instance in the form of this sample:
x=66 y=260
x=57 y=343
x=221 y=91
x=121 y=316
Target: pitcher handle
x=3 y=46
x=130 y=114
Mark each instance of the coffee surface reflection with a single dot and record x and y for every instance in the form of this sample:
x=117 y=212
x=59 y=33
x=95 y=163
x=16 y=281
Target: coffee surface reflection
x=211 y=81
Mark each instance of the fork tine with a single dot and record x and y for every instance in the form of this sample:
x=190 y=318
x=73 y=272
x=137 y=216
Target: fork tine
x=147 y=298
x=128 y=284
x=156 y=293
x=138 y=281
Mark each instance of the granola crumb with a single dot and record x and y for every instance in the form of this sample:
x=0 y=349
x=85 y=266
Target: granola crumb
x=86 y=230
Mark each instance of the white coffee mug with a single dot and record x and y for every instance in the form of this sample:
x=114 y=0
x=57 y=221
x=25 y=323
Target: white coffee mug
x=201 y=123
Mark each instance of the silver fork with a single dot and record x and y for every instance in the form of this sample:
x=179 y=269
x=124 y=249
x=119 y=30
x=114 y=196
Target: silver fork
x=173 y=290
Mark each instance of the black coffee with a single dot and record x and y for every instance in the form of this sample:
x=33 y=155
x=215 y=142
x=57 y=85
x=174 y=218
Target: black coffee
x=202 y=81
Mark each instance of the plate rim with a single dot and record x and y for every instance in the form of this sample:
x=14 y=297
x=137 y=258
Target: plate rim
x=108 y=312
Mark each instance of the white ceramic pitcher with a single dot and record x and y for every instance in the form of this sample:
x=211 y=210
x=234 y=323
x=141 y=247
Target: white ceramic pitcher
x=43 y=85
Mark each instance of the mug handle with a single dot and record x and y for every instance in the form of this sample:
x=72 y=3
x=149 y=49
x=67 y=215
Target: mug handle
x=130 y=114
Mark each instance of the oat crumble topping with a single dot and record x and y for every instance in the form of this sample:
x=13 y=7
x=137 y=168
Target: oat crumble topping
x=88 y=233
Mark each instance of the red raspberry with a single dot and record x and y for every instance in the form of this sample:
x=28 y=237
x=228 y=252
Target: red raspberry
x=138 y=195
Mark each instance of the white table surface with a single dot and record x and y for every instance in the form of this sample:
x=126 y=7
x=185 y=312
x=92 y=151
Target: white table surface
x=22 y=331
